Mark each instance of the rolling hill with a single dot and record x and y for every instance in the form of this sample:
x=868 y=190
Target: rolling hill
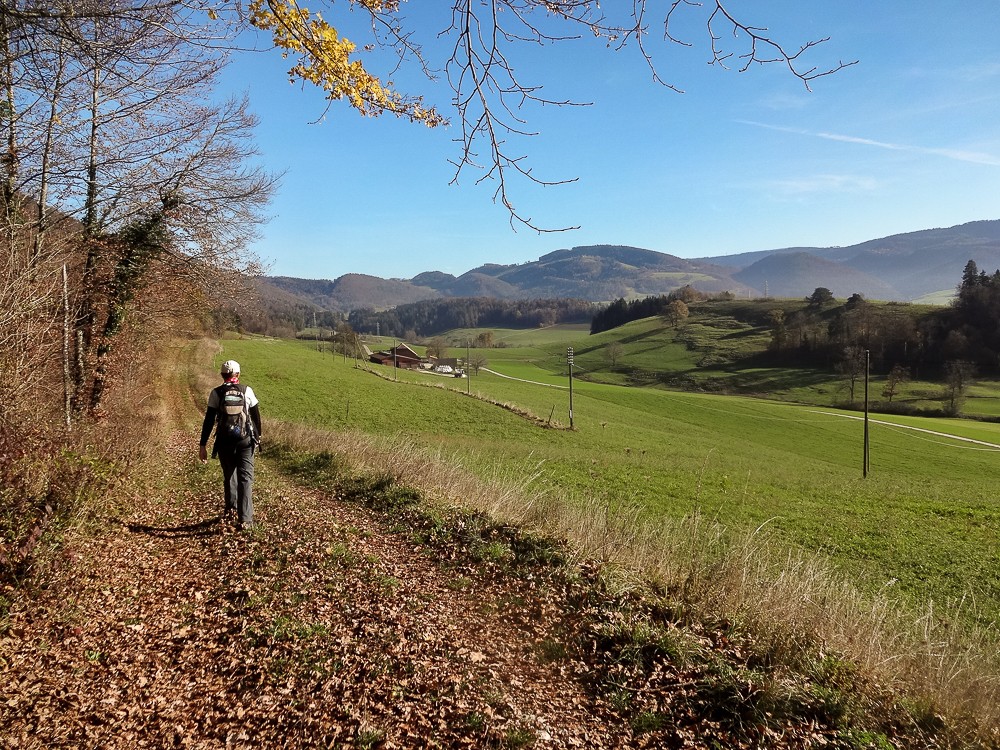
x=797 y=274
x=900 y=267
x=907 y=266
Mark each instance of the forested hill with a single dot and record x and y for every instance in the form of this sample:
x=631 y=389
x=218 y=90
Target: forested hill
x=434 y=316
x=901 y=267
x=598 y=273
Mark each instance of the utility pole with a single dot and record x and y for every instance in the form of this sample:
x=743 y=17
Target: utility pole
x=864 y=471
x=395 y=376
x=569 y=359
x=468 y=370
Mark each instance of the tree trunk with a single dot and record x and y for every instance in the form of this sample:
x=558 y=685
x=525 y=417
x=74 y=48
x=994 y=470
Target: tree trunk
x=43 y=189
x=67 y=375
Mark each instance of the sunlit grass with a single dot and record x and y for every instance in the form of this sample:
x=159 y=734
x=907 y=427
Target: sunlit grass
x=799 y=609
x=922 y=522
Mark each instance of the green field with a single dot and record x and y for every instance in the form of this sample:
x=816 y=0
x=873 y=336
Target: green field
x=923 y=522
x=711 y=353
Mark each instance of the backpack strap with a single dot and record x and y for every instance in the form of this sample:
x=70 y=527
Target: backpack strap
x=246 y=410
x=221 y=389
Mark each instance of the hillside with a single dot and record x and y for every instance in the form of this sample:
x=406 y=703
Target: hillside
x=787 y=274
x=357 y=614
x=353 y=291
x=907 y=266
x=596 y=273
x=901 y=267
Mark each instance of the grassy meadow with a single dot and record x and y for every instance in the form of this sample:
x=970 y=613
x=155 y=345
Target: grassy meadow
x=922 y=523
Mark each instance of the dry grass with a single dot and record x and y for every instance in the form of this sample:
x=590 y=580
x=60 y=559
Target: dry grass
x=797 y=608
x=439 y=477
x=56 y=481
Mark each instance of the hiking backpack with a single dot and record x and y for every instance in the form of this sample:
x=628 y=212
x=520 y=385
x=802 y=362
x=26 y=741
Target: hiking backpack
x=234 y=424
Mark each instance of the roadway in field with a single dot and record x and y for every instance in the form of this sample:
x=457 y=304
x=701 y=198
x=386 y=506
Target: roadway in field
x=908 y=427
x=522 y=380
x=936 y=433
x=991 y=446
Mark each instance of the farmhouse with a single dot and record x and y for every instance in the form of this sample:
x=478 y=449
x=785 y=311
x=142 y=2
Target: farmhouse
x=438 y=362
x=401 y=354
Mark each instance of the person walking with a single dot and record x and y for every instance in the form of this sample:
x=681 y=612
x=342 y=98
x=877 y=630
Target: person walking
x=234 y=413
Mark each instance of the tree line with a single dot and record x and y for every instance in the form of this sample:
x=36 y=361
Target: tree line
x=623 y=311
x=975 y=325
x=127 y=186
x=935 y=342
x=926 y=341
x=430 y=317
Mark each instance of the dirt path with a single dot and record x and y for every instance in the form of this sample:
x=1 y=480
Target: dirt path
x=321 y=628
x=332 y=624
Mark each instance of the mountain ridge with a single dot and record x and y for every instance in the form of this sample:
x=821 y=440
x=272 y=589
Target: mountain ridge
x=900 y=267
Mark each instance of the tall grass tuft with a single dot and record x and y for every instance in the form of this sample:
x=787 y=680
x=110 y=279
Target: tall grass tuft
x=798 y=608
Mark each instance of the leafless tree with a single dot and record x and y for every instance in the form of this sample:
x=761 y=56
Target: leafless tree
x=347 y=340
x=958 y=376
x=779 y=332
x=897 y=376
x=437 y=348
x=675 y=312
x=477 y=361
x=614 y=350
x=491 y=95
x=112 y=130
x=852 y=367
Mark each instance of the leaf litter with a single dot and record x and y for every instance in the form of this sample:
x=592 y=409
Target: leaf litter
x=334 y=624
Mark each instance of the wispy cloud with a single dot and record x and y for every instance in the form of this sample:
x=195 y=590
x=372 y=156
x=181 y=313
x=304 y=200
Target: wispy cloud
x=823 y=183
x=974 y=157
x=784 y=101
x=981 y=71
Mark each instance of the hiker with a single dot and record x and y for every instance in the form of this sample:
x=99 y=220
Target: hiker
x=233 y=411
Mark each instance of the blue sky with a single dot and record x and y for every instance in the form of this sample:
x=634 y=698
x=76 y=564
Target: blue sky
x=907 y=139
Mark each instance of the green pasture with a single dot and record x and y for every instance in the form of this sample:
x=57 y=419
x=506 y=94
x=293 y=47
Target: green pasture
x=923 y=522
x=942 y=297
x=703 y=350
x=712 y=353
x=521 y=337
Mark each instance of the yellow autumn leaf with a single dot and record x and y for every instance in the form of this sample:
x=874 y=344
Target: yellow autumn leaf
x=324 y=59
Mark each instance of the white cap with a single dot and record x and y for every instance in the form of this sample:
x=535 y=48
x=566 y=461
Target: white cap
x=230 y=367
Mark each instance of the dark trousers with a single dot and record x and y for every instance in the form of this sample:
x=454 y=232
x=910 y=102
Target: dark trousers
x=237 y=478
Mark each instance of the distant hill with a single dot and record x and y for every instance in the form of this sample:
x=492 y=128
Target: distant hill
x=598 y=273
x=798 y=274
x=901 y=267
x=353 y=291
x=907 y=266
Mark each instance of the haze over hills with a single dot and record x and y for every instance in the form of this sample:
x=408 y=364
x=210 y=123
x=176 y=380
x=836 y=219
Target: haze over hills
x=911 y=265
x=901 y=267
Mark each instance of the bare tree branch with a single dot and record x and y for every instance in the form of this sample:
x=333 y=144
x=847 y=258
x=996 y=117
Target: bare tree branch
x=490 y=98
x=492 y=101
